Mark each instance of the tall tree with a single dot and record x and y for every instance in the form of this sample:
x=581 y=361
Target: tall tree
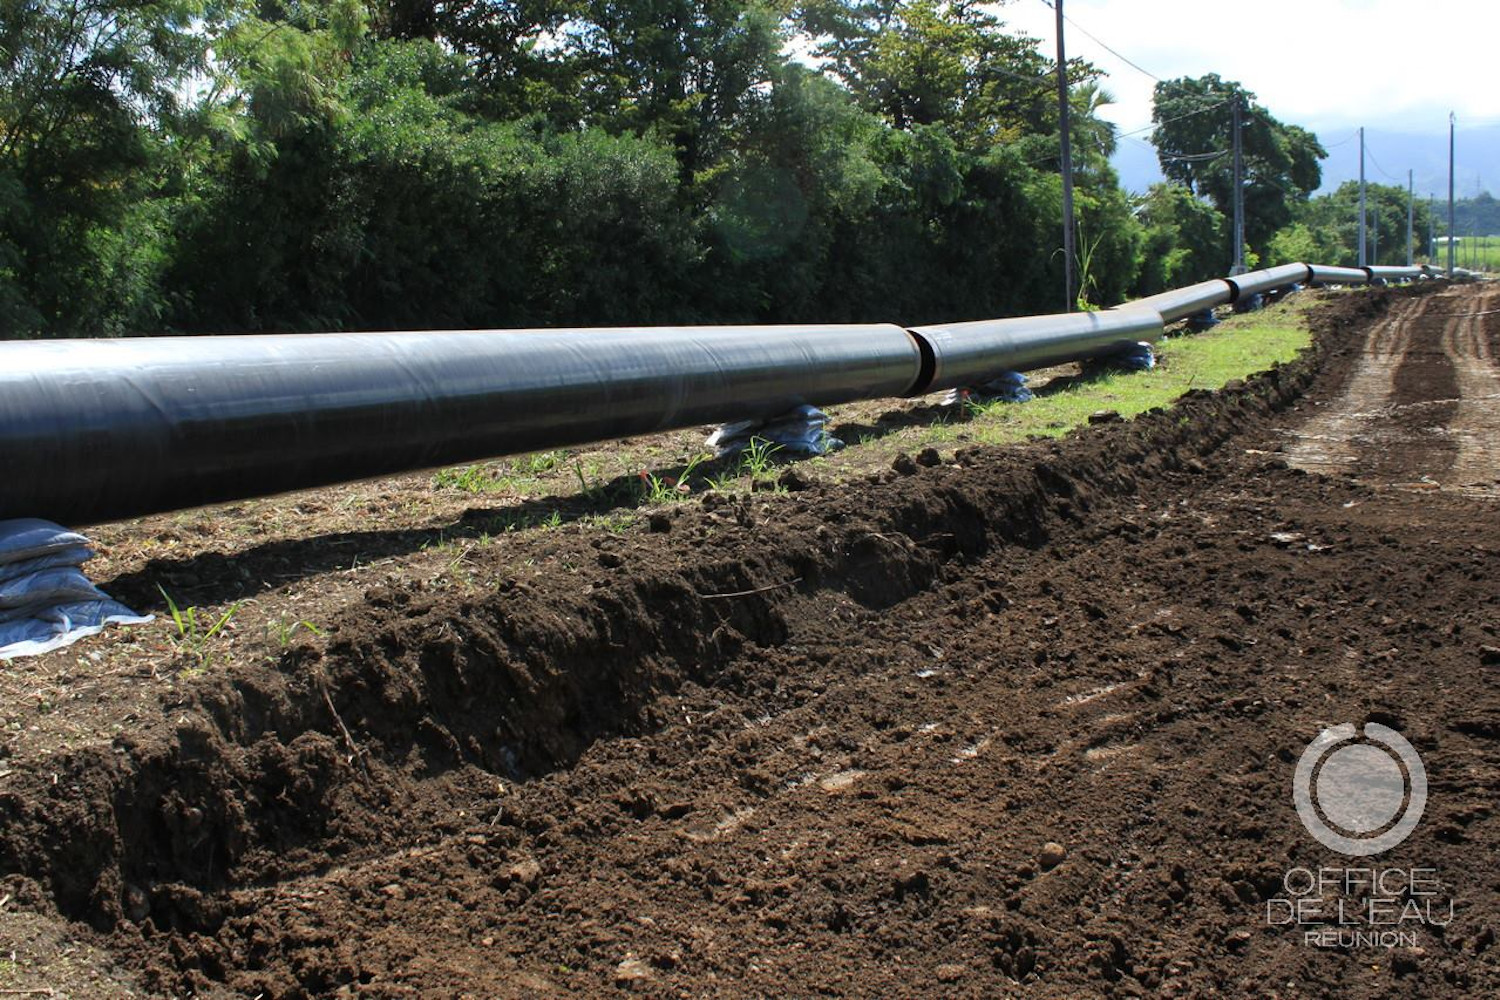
x=512 y=47
x=86 y=91
x=1184 y=239
x=1194 y=137
x=926 y=62
x=689 y=71
x=1327 y=227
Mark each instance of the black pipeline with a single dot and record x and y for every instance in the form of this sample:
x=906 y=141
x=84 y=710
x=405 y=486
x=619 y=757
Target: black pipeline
x=96 y=430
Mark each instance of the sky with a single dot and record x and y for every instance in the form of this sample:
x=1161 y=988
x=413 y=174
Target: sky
x=1394 y=66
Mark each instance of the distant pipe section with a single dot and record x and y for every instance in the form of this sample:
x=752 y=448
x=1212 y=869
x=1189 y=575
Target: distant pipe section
x=97 y=430
x=1385 y=273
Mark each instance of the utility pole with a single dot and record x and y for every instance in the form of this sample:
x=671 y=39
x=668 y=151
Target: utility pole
x=1362 y=255
x=1238 y=267
x=1070 y=250
x=1451 y=121
x=1411 y=215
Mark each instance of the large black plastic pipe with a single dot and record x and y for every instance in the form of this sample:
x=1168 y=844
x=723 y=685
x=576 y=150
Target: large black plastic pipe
x=1340 y=275
x=1184 y=302
x=967 y=354
x=94 y=430
x=1259 y=282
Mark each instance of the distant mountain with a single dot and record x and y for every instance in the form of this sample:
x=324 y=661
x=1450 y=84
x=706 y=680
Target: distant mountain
x=1388 y=155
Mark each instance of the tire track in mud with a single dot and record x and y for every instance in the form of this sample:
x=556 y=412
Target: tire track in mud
x=1328 y=443
x=1467 y=339
x=1421 y=410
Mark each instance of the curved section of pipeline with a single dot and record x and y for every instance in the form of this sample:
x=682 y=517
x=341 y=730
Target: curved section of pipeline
x=94 y=430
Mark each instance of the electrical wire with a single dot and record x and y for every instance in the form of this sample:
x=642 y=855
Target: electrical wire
x=1208 y=157
x=1371 y=154
x=1182 y=92
x=1169 y=121
x=1106 y=47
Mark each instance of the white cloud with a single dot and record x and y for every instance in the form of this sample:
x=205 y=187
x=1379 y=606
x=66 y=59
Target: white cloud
x=1328 y=65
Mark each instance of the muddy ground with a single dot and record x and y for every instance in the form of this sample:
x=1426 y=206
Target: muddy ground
x=1024 y=723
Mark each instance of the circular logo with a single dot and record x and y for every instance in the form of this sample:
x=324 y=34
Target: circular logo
x=1360 y=795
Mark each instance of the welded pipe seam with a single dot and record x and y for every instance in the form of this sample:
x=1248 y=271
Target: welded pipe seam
x=1268 y=280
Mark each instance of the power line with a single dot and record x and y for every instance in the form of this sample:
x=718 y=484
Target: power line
x=1169 y=121
x=1182 y=91
x=1371 y=155
x=1106 y=47
x=1207 y=157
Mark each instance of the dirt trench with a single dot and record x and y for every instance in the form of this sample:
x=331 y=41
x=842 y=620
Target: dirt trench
x=815 y=744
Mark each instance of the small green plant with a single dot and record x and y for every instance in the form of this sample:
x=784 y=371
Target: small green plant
x=615 y=523
x=286 y=631
x=584 y=487
x=976 y=408
x=755 y=461
x=661 y=489
x=692 y=466
x=670 y=489
x=1086 y=282
x=192 y=631
x=726 y=483
x=540 y=462
x=470 y=479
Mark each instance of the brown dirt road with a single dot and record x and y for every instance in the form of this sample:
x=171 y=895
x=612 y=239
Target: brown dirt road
x=821 y=744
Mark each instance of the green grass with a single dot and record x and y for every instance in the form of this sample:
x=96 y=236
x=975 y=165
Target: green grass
x=285 y=631
x=195 y=632
x=1235 y=349
x=1476 y=254
x=514 y=475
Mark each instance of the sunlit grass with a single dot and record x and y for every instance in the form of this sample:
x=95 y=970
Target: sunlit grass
x=1235 y=349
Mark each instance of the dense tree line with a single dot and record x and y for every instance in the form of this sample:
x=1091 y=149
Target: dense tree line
x=244 y=165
